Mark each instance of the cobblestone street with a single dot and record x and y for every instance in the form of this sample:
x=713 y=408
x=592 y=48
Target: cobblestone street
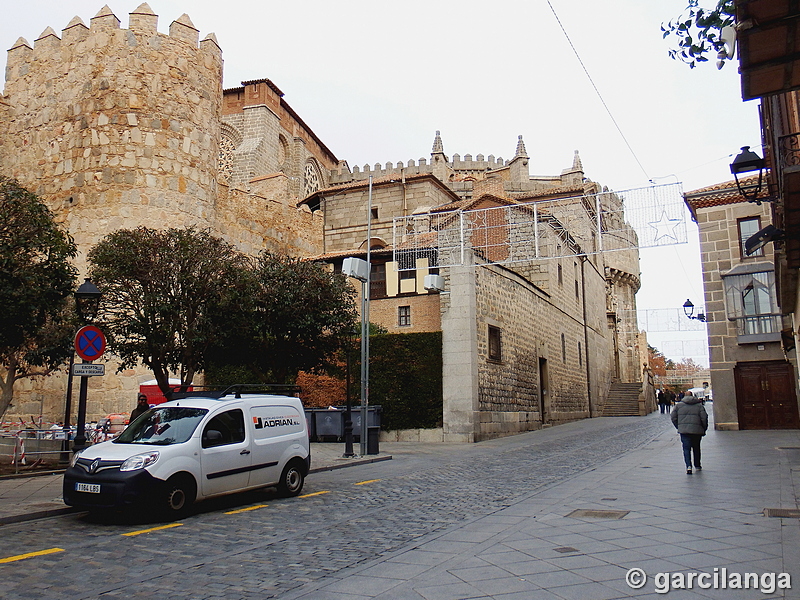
x=270 y=550
x=441 y=498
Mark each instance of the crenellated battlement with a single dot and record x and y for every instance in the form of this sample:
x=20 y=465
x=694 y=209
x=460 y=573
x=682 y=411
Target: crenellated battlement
x=108 y=123
x=461 y=173
x=104 y=30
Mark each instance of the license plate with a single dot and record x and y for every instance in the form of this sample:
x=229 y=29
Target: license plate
x=92 y=488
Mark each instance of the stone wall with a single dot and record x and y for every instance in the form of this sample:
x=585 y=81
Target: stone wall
x=346 y=212
x=719 y=248
x=261 y=134
x=116 y=127
x=425 y=313
x=261 y=219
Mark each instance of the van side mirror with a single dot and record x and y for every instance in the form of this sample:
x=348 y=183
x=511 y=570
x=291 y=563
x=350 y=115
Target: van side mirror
x=212 y=438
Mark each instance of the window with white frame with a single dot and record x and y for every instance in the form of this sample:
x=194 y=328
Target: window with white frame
x=748 y=227
x=751 y=301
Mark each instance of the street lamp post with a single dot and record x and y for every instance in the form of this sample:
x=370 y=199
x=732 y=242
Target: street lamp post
x=688 y=310
x=87 y=302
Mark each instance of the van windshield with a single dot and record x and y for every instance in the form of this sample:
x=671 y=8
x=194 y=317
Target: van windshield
x=162 y=426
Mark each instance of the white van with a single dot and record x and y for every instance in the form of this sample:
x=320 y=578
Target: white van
x=195 y=448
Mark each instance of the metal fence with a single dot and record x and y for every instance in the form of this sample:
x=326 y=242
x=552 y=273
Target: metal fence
x=26 y=448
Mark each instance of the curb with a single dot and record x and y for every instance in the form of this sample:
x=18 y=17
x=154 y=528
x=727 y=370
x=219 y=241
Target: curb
x=57 y=512
x=31 y=474
x=41 y=514
x=355 y=463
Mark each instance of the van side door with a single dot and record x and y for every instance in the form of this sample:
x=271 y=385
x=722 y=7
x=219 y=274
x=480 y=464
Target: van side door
x=277 y=430
x=225 y=453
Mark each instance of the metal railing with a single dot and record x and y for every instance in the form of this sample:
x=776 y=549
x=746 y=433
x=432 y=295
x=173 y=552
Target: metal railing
x=29 y=447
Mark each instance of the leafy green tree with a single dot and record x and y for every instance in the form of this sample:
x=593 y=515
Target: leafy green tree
x=698 y=31
x=300 y=314
x=168 y=296
x=36 y=284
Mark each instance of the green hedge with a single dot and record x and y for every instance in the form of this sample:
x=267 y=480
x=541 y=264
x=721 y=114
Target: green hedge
x=405 y=378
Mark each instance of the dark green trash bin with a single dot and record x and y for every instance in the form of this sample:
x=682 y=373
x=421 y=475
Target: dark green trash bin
x=373 y=433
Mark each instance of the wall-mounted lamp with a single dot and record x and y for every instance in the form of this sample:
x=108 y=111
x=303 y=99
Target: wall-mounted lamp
x=688 y=310
x=747 y=162
x=726 y=45
x=755 y=242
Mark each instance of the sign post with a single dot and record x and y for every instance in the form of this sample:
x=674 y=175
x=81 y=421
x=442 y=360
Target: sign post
x=90 y=343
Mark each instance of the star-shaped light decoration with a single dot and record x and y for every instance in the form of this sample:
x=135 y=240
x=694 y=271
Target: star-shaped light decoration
x=665 y=228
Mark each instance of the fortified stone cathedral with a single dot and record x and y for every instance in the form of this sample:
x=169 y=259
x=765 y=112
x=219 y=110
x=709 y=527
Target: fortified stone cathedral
x=116 y=128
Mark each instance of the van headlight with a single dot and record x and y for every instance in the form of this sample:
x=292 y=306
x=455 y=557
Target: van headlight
x=140 y=461
x=74 y=459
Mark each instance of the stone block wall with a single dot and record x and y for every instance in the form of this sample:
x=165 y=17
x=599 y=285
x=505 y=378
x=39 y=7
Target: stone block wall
x=261 y=135
x=261 y=219
x=346 y=213
x=116 y=127
x=425 y=313
x=719 y=252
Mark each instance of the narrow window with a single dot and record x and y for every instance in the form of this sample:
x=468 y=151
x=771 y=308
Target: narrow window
x=495 y=344
x=560 y=275
x=747 y=228
x=377 y=281
x=563 y=348
x=580 y=355
x=375 y=213
x=403 y=316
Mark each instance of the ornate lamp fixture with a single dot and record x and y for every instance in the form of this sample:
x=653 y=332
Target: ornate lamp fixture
x=747 y=162
x=688 y=310
x=87 y=301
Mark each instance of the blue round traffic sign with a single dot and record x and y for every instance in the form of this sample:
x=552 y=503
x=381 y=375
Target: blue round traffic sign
x=90 y=343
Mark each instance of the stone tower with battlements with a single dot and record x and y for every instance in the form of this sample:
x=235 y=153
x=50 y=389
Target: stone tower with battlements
x=115 y=127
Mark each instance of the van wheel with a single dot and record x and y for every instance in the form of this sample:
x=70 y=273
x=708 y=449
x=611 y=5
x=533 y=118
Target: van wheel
x=179 y=494
x=292 y=479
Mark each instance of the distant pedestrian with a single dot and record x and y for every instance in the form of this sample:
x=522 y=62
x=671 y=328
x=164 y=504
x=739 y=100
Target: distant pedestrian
x=663 y=402
x=691 y=420
x=671 y=397
x=141 y=406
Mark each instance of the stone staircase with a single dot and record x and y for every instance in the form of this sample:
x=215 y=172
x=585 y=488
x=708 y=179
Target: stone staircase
x=623 y=400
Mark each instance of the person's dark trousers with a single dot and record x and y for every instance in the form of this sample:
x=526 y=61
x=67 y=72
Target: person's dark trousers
x=691 y=444
x=663 y=408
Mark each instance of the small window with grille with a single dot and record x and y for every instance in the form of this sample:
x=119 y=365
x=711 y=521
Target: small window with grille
x=404 y=316
x=495 y=343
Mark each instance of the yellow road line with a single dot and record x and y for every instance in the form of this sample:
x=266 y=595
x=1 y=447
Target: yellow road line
x=241 y=510
x=141 y=531
x=315 y=494
x=367 y=481
x=30 y=555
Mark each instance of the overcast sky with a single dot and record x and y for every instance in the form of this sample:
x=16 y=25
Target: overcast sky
x=375 y=80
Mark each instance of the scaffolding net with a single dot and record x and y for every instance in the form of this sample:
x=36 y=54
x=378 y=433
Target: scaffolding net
x=523 y=231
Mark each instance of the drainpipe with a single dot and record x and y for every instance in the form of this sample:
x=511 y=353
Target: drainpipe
x=586 y=352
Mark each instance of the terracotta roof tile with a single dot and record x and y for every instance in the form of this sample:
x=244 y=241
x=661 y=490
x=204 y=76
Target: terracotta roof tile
x=723 y=193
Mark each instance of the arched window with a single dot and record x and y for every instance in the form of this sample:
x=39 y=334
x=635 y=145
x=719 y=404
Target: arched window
x=311 y=179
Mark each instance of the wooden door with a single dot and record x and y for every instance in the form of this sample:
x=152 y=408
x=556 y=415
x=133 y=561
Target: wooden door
x=765 y=395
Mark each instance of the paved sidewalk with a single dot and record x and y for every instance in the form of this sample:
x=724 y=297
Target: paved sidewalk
x=671 y=523
x=713 y=524
x=24 y=498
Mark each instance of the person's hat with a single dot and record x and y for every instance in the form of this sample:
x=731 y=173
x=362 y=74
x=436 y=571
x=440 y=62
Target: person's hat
x=689 y=393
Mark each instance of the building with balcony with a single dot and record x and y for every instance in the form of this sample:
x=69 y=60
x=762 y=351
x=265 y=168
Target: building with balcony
x=750 y=235
x=752 y=376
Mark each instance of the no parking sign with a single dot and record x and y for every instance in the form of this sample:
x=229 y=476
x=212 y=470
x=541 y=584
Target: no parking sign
x=90 y=343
